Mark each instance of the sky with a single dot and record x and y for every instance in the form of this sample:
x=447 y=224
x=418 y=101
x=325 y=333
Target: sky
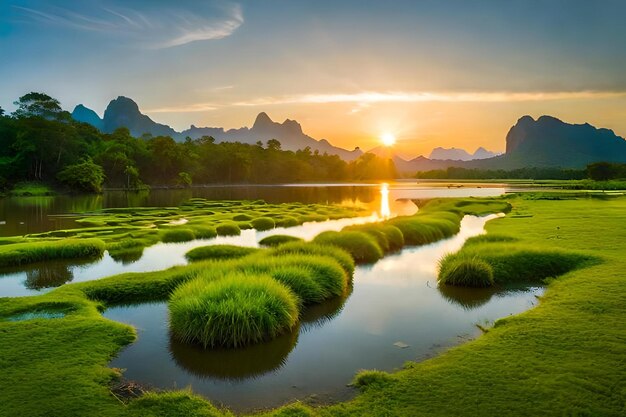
x=431 y=72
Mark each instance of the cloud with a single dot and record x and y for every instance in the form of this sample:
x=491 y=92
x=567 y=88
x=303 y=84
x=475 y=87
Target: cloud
x=363 y=100
x=152 y=28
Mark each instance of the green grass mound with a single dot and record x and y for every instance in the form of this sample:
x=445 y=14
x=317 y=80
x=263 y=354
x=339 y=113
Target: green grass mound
x=388 y=237
x=177 y=235
x=371 y=378
x=204 y=232
x=308 y=248
x=489 y=238
x=362 y=246
x=263 y=223
x=26 y=253
x=421 y=230
x=228 y=229
x=219 y=252
x=276 y=240
x=287 y=221
x=242 y=218
x=237 y=310
x=312 y=278
x=465 y=272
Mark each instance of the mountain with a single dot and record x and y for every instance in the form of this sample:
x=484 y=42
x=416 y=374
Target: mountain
x=545 y=142
x=457 y=154
x=124 y=112
x=85 y=115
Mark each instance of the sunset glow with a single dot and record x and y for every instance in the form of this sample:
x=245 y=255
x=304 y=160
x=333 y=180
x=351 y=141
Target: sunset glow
x=388 y=139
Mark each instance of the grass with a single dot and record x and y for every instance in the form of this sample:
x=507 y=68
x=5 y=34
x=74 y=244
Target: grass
x=362 y=246
x=465 y=272
x=276 y=240
x=236 y=310
x=263 y=223
x=31 y=252
x=177 y=235
x=219 y=252
x=563 y=357
x=312 y=278
x=228 y=229
x=307 y=248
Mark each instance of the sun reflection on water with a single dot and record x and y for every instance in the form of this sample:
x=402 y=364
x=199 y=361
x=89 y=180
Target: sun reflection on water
x=385 y=212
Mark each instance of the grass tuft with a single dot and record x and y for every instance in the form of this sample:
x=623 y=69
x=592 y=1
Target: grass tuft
x=465 y=272
x=177 y=235
x=26 y=253
x=237 y=310
x=263 y=223
x=276 y=240
x=362 y=246
x=228 y=229
x=307 y=248
x=219 y=252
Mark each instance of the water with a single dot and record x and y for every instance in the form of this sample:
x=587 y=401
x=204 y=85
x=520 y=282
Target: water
x=395 y=313
x=37 y=214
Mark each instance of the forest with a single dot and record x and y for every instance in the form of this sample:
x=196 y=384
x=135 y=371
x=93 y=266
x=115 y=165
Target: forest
x=40 y=142
x=598 y=171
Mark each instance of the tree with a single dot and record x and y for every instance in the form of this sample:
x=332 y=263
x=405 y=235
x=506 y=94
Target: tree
x=38 y=105
x=85 y=175
x=273 y=145
x=1 y=112
x=184 y=179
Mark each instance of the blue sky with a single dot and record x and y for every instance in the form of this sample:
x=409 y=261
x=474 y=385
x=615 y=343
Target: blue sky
x=346 y=69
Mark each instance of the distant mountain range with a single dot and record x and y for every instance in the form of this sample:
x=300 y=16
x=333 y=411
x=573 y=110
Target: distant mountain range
x=457 y=154
x=124 y=112
x=545 y=142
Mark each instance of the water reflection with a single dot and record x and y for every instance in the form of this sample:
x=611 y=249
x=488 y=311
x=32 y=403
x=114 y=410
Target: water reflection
x=234 y=364
x=394 y=300
x=385 y=211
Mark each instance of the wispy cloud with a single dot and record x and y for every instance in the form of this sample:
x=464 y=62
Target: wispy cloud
x=152 y=28
x=371 y=97
x=364 y=100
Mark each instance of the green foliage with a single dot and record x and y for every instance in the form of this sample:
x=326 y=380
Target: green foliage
x=85 y=176
x=499 y=174
x=236 y=310
x=604 y=171
x=31 y=189
x=276 y=240
x=263 y=223
x=184 y=179
x=362 y=247
x=26 y=253
x=219 y=252
x=176 y=235
x=228 y=229
x=465 y=272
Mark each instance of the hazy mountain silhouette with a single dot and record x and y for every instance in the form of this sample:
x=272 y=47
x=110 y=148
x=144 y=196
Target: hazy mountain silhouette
x=545 y=142
x=85 y=115
x=124 y=112
x=460 y=154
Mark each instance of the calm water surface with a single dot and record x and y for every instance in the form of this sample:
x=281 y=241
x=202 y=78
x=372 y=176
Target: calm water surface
x=36 y=214
x=394 y=313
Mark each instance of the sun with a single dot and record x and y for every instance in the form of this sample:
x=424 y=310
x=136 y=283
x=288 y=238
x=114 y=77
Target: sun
x=388 y=139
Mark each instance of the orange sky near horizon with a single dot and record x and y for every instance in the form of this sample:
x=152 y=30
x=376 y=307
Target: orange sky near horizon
x=419 y=126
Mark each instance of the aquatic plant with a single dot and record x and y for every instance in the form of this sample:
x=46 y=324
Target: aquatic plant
x=175 y=235
x=263 y=223
x=228 y=229
x=277 y=240
x=465 y=272
x=30 y=252
x=203 y=232
x=219 y=252
x=309 y=248
x=237 y=310
x=362 y=246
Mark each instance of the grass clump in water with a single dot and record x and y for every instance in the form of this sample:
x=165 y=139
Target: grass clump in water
x=204 y=232
x=228 y=229
x=263 y=223
x=26 y=253
x=236 y=310
x=177 y=235
x=276 y=240
x=465 y=272
x=308 y=248
x=362 y=246
x=371 y=378
x=219 y=252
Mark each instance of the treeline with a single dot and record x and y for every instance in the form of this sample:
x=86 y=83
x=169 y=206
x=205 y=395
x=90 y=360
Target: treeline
x=494 y=174
x=41 y=142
